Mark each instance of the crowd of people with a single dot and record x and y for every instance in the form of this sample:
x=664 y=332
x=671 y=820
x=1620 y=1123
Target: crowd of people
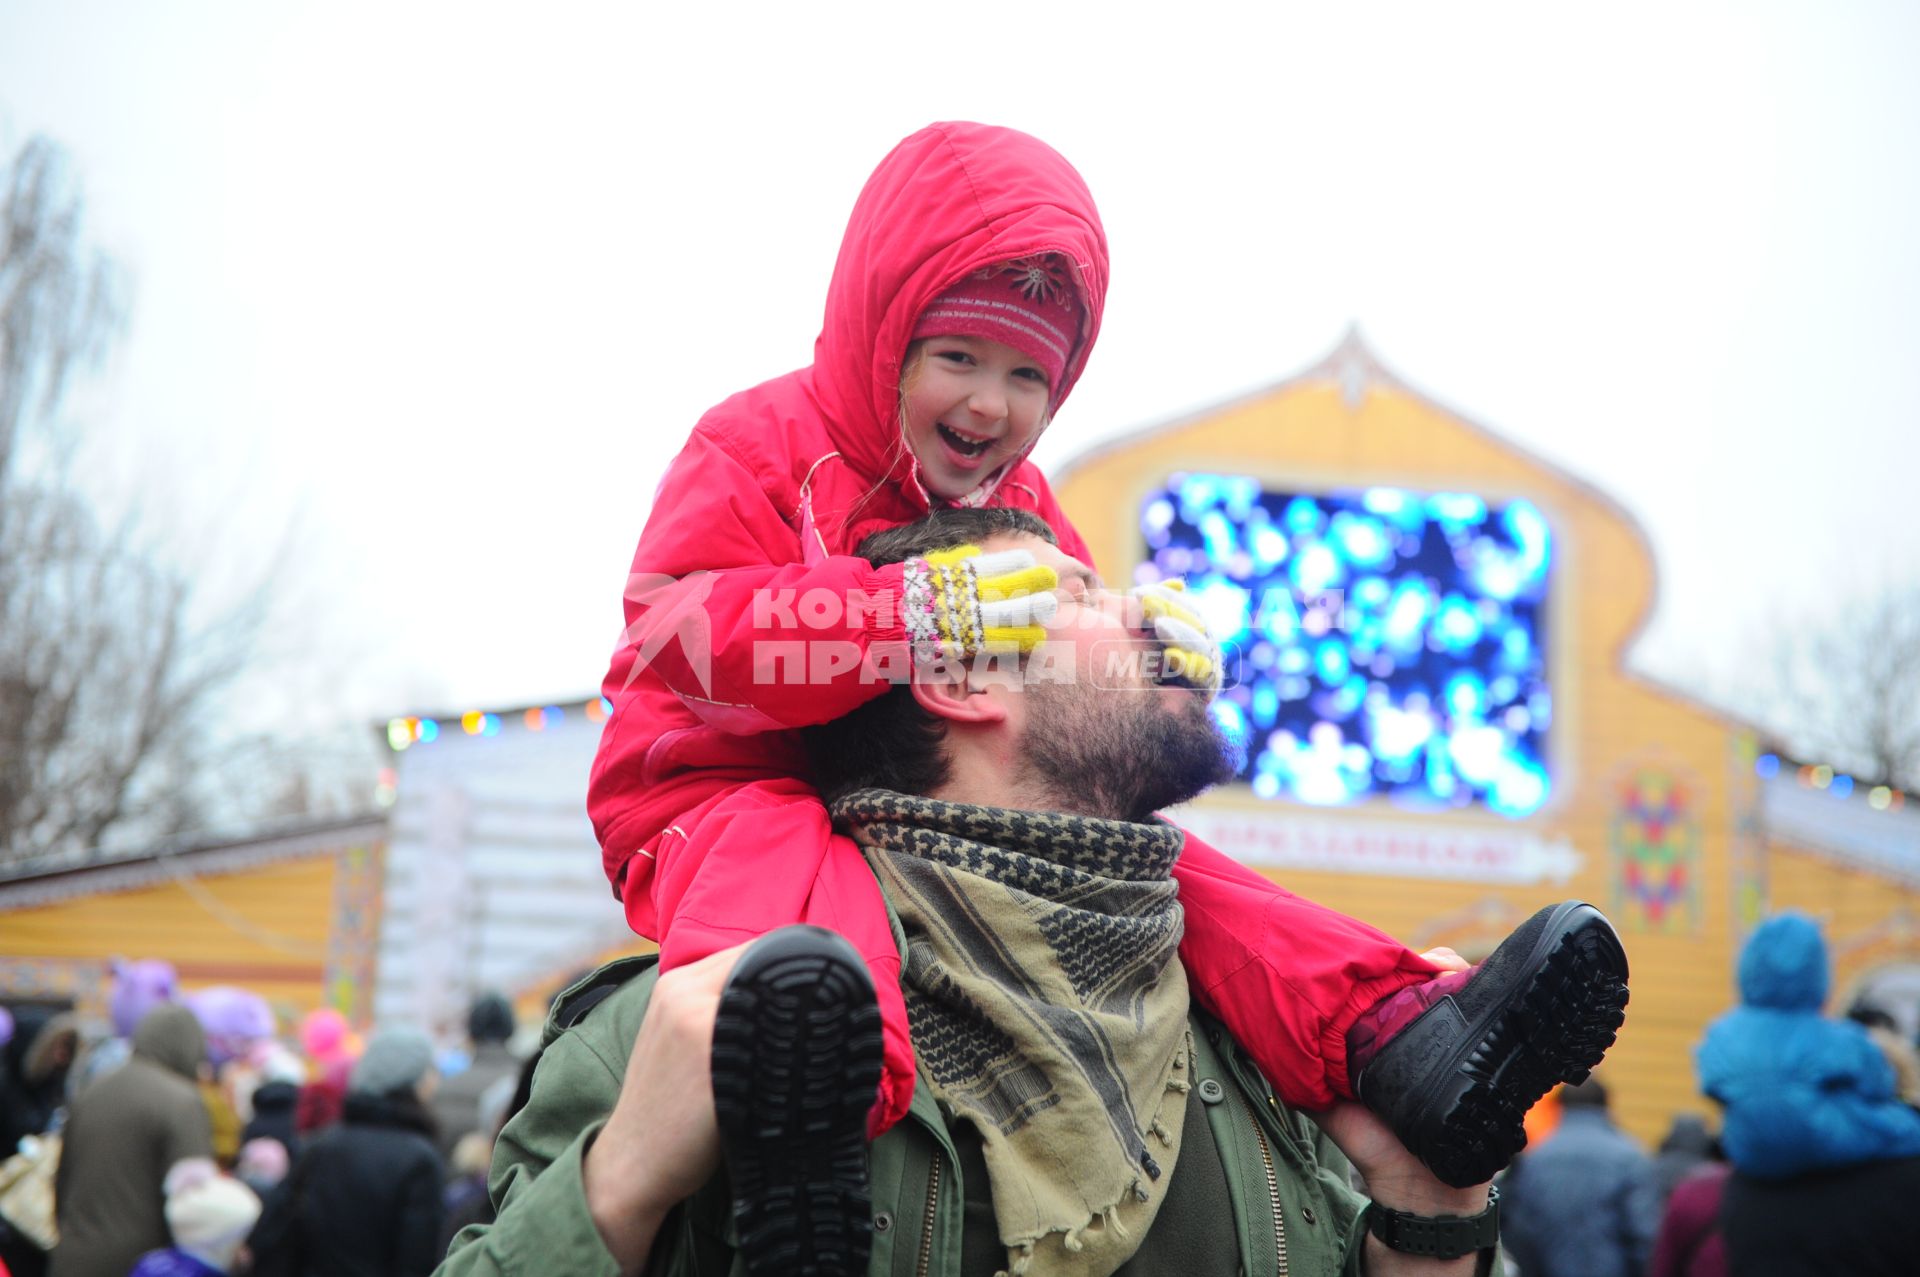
x=194 y=1134
x=190 y=1151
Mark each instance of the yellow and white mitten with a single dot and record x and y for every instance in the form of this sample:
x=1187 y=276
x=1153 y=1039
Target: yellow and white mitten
x=961 y=601
x=1192 y=653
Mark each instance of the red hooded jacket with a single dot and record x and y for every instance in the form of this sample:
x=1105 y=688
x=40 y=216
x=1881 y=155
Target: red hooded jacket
x=764 y=505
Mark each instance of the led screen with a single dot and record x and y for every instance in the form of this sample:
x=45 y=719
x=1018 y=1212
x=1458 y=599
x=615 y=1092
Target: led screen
x=1385 y=643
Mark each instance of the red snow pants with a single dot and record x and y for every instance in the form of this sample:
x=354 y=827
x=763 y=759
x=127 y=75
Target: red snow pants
x=1288 y=977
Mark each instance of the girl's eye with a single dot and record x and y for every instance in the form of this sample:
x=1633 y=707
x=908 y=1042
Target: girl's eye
x=1031 y=374
x=955 y=356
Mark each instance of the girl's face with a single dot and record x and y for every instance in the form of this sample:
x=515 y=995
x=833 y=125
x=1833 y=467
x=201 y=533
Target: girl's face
x=968 y=405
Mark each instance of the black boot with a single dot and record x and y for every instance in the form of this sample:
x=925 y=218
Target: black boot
x=1453 y=1065
x=796 y=1066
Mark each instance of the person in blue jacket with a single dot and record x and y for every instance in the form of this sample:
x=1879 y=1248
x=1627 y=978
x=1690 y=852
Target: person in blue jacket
x=1802 y=1092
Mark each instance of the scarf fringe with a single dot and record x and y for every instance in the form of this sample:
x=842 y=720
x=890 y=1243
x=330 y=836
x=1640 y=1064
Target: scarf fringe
x=1072 y=1240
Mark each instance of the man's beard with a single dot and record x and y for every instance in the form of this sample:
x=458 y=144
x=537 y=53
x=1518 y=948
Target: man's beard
x=1120 y=755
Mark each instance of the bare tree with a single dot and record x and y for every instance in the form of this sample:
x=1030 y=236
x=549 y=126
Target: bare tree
x=1846 y=687
x=108 y=673
x=62 y=304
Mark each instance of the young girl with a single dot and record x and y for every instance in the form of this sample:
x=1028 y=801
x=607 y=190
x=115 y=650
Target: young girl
x=962 y=309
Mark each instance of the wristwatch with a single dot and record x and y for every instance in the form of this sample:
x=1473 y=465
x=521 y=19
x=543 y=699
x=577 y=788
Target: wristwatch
x=1436 y=1236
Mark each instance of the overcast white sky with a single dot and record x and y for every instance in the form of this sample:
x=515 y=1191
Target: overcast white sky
x=452 y=282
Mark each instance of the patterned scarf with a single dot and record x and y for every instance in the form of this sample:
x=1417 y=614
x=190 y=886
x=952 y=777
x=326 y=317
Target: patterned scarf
x=1047 y=1009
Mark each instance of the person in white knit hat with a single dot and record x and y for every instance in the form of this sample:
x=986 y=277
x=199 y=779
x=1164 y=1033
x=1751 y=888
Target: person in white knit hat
x=209 y=1215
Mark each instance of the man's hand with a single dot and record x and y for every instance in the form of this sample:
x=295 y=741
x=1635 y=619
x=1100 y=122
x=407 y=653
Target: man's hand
x=661 y=1142
x=1395 y=1178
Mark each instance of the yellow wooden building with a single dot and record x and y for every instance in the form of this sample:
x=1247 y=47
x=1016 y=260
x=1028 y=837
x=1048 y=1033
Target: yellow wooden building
x=293 y=916
x=1658 y=807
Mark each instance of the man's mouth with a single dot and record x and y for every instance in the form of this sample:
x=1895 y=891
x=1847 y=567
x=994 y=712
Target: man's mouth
x=964 y=444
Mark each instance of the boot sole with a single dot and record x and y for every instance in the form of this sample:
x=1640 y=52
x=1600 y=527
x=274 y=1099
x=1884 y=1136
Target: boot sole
x=796 y=1065
x=1551 y=1029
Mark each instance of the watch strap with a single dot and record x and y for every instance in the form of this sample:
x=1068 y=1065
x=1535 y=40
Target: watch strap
x=1436 y=1236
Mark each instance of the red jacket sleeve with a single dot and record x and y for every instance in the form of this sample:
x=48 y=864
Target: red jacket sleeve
x=724 y=607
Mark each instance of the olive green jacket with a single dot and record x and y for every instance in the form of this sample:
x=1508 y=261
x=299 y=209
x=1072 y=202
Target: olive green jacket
x=1292 y=1206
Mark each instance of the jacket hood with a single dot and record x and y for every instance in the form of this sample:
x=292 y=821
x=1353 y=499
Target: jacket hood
x=43 y=1058
x=171 y=1037
x=1784 y=965
x=945 y=202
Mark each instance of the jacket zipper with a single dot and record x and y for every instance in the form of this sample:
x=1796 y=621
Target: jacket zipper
x=926 y=1225
x=1273 y=1187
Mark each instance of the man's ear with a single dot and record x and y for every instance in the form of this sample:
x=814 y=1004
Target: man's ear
x=947 y=693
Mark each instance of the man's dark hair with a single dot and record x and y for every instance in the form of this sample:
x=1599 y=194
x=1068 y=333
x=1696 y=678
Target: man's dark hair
x=891 y=742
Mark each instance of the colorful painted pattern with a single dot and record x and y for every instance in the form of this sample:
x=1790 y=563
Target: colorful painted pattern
x=355 y=935
x=1656 y=853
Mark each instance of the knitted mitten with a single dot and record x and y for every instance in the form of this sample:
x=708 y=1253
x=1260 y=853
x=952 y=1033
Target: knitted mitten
x=1192 y=653
x=961 y=601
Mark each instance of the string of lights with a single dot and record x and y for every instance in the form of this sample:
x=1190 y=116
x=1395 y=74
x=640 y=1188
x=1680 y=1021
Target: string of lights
x=1823 y=776
x=404 y=733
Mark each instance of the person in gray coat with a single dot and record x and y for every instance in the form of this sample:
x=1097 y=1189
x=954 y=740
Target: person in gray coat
x=123 y=1133
x=1585 y=1203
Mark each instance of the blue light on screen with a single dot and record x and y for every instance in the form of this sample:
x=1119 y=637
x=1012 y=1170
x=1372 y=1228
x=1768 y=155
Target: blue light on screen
x=1392 y=643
